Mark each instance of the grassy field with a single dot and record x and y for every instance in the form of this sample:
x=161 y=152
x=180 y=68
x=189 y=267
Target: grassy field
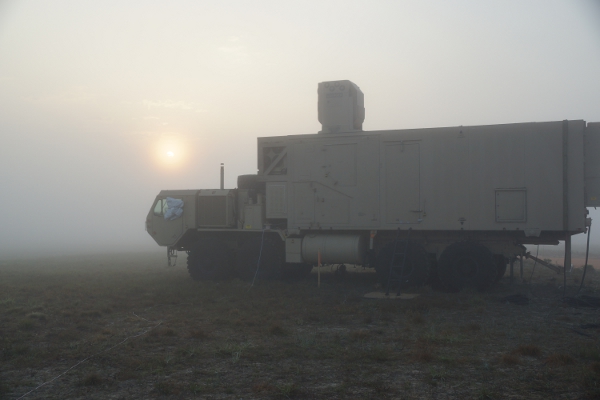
x=152 y=332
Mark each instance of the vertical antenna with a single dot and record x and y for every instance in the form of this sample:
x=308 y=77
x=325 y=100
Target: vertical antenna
x=222 y=176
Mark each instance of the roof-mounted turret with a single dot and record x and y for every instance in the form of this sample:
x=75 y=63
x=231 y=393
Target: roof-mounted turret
x=341 y=107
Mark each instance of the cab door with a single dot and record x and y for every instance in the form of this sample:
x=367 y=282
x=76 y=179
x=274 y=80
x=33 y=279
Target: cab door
x=164 y=231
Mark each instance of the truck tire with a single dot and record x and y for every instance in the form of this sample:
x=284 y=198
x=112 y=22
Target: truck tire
x=272 y=258
x=467 y=265
x=414 y=273
x=209 y=259
x=296 y=272
x=502 y=264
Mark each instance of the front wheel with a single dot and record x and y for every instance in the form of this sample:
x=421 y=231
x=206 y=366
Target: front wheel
x=270 y=251
x=209 y=259
x=296 y=272
x=414 y=272
x=467 y=264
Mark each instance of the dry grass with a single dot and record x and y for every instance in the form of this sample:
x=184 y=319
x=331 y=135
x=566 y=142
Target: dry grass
x=528 y=350
x=560 y=360
x=92 y=379
x=282 y=340
x=510 y=359
x=421 y=355
x=277 y=330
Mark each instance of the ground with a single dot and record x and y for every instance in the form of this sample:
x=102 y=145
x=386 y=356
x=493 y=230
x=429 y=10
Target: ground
x=144 y=330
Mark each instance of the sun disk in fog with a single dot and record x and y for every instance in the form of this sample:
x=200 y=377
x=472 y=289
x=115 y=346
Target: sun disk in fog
x=170 y=150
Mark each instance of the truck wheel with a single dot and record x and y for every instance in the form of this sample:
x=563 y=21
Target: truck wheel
x=414 y=273
x=296 y=272
x=467 y=264
x=502 y=264
x=434 y=279
x=209 y=259
x=272 y=258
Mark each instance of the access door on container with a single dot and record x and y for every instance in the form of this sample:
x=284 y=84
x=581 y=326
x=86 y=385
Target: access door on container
x=402 y=186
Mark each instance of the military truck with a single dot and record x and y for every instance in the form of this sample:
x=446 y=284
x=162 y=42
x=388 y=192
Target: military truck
x=449 y=205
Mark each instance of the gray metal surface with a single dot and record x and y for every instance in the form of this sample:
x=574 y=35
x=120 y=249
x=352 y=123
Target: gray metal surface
x=433 y=179
x=341 y=107
x=216 y=208
x=592 y=165
x=332 y=192
x=334 y=249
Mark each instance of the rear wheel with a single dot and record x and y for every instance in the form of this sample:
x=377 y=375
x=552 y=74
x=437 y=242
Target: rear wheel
x=209 y=259
x=467 y=264
x=414 y=272
x=272 y=257
x=501 y=265
x=296 y=272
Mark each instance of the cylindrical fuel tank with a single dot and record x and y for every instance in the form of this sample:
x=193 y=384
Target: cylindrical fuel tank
x=334 y=248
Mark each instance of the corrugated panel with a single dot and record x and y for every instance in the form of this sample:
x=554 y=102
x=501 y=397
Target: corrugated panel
x=213 y=210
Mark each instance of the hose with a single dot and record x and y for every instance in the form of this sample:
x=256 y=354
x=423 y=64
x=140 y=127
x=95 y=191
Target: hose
x=587 y=253
x=534 y=264
x=262 y=241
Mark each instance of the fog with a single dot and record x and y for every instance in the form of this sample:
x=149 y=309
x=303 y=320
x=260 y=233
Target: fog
x=93 y=94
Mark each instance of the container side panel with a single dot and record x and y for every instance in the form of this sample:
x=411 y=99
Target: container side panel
x=511 y=205
x=365 y=206
x=445 y=181
x=305 y=161
x=340 y=164
x=576 y=176
x=437 y=179
x=520 y=164
x=463 y=167
x=303 y=203
x=592 y=165
x=276 y=199
x=334 y=181
x=402 y=182
x=331 y=206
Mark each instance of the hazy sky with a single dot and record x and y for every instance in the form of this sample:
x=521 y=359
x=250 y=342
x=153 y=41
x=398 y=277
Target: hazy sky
x=93 y=94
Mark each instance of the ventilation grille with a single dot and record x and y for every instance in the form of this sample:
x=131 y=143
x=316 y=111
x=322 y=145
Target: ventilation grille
x=212 y=210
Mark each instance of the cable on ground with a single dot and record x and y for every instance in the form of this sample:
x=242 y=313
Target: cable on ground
x=262 y=241
x=534 y=264
x=587 y=253
x=92 y=356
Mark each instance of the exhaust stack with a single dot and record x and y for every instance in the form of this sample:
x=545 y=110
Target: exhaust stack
x=222 y=176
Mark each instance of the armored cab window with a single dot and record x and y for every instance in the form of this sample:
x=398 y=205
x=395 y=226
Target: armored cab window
x=161 y=207
x=169 y=208
x=275 y=160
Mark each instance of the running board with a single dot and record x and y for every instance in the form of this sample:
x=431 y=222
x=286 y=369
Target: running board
x=553 y=267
